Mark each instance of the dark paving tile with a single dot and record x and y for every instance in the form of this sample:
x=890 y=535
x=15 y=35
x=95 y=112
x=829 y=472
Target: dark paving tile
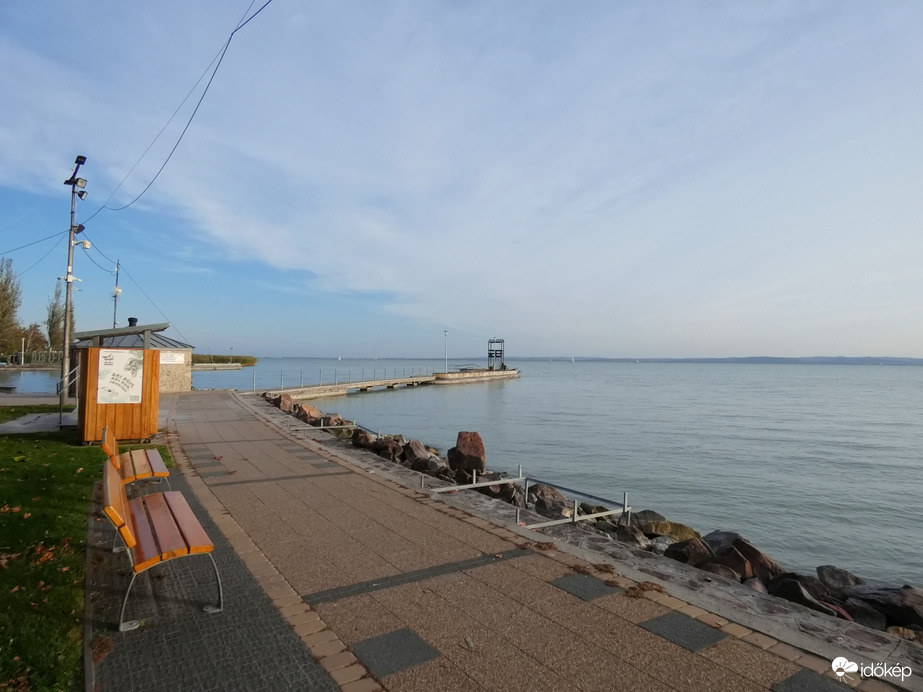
x=214 y=474
x=808 y=681
x=410 y=577
x=684 y=631
x=394 y=652
x=585 y=586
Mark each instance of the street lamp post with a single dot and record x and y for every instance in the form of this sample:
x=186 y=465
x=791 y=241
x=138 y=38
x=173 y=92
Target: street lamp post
x=445 y=334
x=75 y=183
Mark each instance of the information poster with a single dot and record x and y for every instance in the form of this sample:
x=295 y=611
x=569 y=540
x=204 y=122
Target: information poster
x=120 y=376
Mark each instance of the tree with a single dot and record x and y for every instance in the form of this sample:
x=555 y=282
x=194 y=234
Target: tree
x=10 y=299
x=54 y=322
x=32 y=338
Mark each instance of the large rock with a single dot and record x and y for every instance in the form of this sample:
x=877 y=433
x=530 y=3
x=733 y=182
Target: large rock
x=284 y=403
x=650 y=523
x=468 y=453
x=791 y=590
x=764 y=567
x=540 y=490
x=554 y=509
x=415 y=450
x=837 y=579
x=389 y=447
x=308 y=414
x=731 y=558
x=692 y=552
x=362 y=438
x=721 y=570
x=331 y=419
x=631 y=535
x=653 y=524
x=660 y=544
x=865 y=614
x=902 y=606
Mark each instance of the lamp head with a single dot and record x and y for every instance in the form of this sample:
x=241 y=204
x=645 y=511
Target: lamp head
x=80 y=160
x=79 y=228
x=80 y=182
x=82 y=194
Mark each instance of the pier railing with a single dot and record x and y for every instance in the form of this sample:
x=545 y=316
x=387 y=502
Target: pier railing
x=301 y=379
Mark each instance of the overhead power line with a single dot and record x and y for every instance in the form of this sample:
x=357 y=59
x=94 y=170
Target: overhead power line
x=220 y=58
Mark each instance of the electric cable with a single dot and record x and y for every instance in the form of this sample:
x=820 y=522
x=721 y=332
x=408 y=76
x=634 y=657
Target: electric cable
x=182 y=134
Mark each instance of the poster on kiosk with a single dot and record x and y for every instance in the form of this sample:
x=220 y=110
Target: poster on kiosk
x=121 y=374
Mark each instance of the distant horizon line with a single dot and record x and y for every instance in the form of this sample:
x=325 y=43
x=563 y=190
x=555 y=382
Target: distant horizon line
x=757 y=360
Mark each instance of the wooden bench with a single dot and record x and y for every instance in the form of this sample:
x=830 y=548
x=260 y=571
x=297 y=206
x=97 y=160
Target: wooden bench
x=137 y=464
x=154 y=528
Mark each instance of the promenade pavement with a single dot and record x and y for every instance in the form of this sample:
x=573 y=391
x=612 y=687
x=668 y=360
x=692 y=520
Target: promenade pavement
x=340 y=574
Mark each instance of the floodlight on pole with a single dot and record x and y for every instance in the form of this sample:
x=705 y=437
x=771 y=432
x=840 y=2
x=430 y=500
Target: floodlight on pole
x=74 y=183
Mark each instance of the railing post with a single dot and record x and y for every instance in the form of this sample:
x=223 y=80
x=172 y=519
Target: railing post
x=281 y=379
x=575 y=512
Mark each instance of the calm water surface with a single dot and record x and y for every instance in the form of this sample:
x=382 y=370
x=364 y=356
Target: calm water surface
x=814 y=464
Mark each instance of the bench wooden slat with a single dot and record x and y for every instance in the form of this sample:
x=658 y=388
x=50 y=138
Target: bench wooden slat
x=197 y=541
x=138 y=463
x=106 y=444
x=135 y=464
x=146 y=552
x=169 y=539
x=156 y=462
x=114 y=504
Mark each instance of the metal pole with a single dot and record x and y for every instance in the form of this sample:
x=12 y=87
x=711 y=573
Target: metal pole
x=68 y=279
x=115 y=295
x=254 y=379
x=445 y=334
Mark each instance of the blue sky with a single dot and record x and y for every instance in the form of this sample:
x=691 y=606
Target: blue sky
x=647 y=179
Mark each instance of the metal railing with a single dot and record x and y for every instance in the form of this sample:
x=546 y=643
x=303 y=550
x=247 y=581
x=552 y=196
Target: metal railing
x=299 y=379
x=624 y=510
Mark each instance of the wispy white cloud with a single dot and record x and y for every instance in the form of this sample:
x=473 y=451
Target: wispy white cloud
x=653 y=179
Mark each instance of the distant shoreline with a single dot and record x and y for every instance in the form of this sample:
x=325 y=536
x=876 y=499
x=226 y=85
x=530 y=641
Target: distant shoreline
x=756 y=360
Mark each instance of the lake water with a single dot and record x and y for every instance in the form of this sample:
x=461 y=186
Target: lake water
x=814 y=464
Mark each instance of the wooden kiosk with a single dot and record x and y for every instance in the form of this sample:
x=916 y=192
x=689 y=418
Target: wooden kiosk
x=119 y=386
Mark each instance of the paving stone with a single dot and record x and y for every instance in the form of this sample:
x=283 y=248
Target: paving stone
x=585 y=586
x=393 y=652
x=750 y=662
x=684 y=631
x=808 y=681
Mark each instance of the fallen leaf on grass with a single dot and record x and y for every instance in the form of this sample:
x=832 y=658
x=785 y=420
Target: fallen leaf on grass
x=80 y=469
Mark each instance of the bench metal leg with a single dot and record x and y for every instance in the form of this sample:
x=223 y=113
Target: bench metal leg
x=134 y=624
x=220 y=606
x=131 y=624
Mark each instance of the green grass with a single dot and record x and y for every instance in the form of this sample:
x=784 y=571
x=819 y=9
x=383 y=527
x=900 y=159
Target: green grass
x=45 y=485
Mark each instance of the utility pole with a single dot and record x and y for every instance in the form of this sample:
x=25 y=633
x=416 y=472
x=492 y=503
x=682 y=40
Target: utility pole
x=445 y=333
x=74 y=182
x=116 y=292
